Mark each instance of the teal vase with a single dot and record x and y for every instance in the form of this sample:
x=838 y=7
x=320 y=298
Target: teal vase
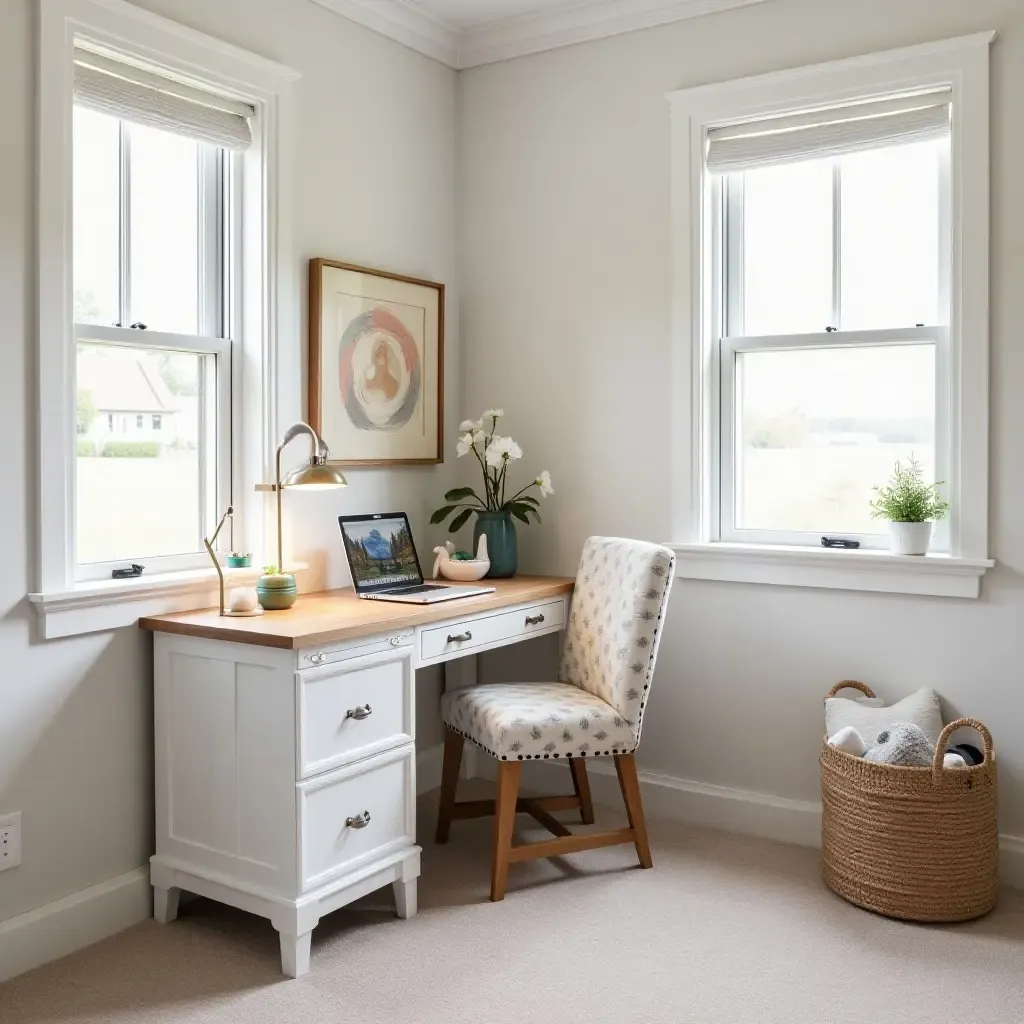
x=502 y=551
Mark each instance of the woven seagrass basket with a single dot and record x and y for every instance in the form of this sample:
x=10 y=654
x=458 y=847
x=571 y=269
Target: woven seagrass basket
x=914 y=843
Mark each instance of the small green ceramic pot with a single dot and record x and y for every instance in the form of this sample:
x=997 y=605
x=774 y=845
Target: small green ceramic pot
x=277 y=592
x=239 y=561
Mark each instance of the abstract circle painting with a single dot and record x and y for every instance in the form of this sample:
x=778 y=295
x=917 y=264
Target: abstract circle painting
x=379 y=373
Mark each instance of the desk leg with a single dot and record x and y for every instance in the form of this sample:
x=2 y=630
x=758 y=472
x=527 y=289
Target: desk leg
x=457 y=674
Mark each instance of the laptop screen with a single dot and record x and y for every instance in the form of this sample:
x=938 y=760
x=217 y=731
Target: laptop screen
x=380 y=550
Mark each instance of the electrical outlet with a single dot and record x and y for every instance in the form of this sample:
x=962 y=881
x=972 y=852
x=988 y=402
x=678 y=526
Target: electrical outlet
x=10 y=840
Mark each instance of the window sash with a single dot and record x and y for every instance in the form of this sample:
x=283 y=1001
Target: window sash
x=217 y=284
x=214 y=450
x=725 y=466
x=729 y=261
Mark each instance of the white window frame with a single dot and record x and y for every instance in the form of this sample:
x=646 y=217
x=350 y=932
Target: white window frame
x=219 y=293
x=266 y=297
x=961 y=65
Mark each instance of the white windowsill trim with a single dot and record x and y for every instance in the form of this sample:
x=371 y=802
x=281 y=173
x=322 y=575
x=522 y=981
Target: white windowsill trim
x=102 y=605
x=879 y=571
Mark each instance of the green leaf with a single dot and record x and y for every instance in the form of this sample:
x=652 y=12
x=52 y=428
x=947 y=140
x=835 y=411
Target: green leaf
x=536 y=515
x=520 y=515
x=528 y=498
x=441 y=514
x=460 y=520
x=458 y=493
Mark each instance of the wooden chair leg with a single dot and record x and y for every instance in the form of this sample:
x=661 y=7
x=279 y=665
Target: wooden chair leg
x=453 y=744
x=581 y=786
x=504 y=823
x=625 y=768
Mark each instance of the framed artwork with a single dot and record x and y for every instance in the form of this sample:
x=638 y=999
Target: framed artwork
x=376 y=362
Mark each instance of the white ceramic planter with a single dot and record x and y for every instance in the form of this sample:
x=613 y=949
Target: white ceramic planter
x=909 y=538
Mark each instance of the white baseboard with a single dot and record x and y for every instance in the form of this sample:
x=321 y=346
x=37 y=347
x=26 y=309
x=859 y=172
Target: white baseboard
x=428 y=768
x=56 y=929
x=730 y=810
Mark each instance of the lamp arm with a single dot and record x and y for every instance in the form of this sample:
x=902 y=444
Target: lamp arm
x=320 y=454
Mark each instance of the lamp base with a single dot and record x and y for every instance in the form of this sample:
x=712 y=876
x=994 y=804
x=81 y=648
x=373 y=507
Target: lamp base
x=243 y=615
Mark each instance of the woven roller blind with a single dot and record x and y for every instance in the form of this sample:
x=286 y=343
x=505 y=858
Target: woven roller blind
x=124 y=91
x=828 y=133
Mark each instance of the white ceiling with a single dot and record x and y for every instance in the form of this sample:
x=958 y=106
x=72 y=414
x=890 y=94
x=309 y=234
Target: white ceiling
x=461 y=15
x=467 y=33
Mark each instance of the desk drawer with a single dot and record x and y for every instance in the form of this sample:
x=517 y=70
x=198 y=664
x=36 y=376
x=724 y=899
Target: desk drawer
x=489 y=630
x=380 y=790
x=354 y=709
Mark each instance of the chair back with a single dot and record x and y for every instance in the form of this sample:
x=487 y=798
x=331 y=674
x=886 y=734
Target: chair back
x=616 y=621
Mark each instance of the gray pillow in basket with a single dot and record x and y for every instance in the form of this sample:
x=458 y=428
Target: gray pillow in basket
x=869 y=718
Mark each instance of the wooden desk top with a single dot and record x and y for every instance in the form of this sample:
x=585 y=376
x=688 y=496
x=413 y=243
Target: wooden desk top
x=333 y=615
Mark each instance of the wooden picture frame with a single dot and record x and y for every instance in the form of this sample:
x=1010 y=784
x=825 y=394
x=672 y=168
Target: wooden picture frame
x=376 y=365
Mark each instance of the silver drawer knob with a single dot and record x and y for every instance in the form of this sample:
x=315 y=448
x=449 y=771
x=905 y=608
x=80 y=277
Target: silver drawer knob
x=460 y=637
x=359 y=713
x=534 y=620
x=317 y=658
x=395 y=641
x=359 y=821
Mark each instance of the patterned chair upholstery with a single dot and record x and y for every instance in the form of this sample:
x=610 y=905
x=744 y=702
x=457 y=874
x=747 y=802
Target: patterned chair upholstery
x=596 y=708
x=611 y=643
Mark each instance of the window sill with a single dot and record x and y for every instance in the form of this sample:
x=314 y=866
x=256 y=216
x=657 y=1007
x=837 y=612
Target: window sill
x=879 y=571
x=101 y=605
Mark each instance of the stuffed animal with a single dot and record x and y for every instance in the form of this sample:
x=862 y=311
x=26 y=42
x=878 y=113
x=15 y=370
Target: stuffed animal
x=904 y=744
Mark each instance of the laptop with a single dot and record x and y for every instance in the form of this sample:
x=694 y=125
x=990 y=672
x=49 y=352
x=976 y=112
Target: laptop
x=382 y=559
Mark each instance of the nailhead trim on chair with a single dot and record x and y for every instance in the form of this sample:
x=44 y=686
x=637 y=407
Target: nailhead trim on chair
x=530 y=757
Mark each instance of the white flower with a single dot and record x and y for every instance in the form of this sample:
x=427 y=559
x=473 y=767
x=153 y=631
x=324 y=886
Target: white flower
x=544 y=483
x=468 y=426
x=500 y=450
x=479 y=437
x=493 y=414
x=465 y=445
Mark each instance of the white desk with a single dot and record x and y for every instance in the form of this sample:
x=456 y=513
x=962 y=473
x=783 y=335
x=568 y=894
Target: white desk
x=285 y=747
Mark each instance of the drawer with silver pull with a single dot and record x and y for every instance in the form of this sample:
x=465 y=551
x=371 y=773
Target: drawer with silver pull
x=355 y=814
x=354 y=709
x=457 y=637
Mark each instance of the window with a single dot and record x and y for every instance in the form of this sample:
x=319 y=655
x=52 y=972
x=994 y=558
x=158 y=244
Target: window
x=834 y=338
x=830 y=238
x=164 y=201
x=153 y=265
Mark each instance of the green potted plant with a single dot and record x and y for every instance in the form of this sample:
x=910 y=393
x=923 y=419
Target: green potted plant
x=910 y=506
x=494 y=511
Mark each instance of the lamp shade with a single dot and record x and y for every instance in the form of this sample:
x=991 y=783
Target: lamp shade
x=315 y=474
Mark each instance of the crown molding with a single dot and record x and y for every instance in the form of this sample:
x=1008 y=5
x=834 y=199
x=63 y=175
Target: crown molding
x=578 y=23
x=404 y=23
x=565 y=25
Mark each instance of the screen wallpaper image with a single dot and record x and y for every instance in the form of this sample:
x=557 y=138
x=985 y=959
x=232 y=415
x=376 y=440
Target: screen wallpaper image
x=381 y=551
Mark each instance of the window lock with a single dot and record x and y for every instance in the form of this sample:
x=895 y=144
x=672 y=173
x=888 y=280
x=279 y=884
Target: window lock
x=839 y=542
x=127 y=574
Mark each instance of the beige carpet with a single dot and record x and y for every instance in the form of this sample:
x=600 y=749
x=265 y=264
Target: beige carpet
x=724 y=930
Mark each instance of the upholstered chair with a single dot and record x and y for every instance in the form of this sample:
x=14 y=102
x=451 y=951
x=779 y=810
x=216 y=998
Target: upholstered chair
x=594 y=710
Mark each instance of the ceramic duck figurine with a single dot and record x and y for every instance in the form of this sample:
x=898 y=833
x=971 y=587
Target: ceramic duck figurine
x=463 y=570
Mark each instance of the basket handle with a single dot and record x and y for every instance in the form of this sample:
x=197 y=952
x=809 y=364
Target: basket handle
x=853 y=684
x=940 y=746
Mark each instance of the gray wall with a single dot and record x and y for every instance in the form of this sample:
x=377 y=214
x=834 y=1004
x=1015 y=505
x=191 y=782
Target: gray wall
x=374 y=177
x=565 y=251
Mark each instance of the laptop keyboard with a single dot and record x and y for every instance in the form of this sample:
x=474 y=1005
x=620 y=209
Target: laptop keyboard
x=421 y=589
